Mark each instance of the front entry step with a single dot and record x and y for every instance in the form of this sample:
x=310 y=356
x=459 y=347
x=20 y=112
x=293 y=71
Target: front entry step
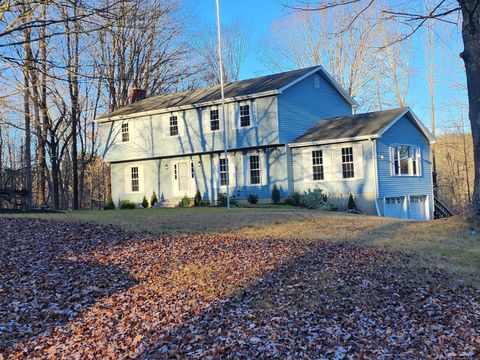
x=170 y=203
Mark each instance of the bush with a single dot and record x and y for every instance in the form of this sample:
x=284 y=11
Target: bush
x=276 y=194
x=351 y=203
x=204 y=203
x=185 y=202
x=313 y=199
x=110 y=205
x=153 y=199
x=127 y=204
x=252 y=199
x=145 y=202
x=222 y=200
x=293 y=200
x=197 y=200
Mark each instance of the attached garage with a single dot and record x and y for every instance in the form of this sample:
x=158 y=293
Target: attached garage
x=419 y=207
x=413 y=207
x=395 y=207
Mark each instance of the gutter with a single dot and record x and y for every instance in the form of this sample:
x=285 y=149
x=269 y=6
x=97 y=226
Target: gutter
x=375 y=169
x=333 y=141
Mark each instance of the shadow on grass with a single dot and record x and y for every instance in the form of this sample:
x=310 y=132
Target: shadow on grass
x=202 y=296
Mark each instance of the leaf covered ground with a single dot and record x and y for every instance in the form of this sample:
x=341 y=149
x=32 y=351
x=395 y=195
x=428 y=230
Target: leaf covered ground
x=80 y=290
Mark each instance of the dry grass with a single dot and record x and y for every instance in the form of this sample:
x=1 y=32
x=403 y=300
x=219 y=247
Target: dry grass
x=448 y=244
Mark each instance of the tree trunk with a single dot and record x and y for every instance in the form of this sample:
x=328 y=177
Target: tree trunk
x=471 y=58
x=27 y=156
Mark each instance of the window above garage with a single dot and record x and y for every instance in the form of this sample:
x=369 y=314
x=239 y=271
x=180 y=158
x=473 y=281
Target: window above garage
x=405 y=160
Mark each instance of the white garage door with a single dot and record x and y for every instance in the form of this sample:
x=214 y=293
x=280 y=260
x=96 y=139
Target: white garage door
x=394 y=207
x=418 y=207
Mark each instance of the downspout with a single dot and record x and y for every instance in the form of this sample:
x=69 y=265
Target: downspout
x=375 y=177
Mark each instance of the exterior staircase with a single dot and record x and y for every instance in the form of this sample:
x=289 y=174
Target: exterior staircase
x=440 y=210
x=170 y=203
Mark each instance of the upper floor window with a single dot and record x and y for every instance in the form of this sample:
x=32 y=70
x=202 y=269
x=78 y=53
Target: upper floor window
x=173 y=125
x=254 y=169
x=214 y=120
x=317 y=165
x=134 y=179
x=125 y=133
x=245 y=115
x=223 y=163
x=406 y=160
x=347 y=163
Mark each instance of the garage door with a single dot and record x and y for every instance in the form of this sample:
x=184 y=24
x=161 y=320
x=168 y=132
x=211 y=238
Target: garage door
x=418 y=207
x=394 y=207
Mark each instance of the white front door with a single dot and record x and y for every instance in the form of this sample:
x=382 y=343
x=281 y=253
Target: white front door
x=182 y=179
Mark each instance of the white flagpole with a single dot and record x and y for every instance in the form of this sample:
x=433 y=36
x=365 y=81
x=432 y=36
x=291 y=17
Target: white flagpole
x=225 y=138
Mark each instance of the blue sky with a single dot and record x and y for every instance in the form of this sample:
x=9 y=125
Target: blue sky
x=259 y=16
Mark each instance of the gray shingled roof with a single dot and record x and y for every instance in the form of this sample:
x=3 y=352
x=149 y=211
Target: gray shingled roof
x=343 y=127
x=235 y=89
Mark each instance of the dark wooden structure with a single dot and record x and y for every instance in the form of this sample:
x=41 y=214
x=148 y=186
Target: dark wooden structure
x=13 y=194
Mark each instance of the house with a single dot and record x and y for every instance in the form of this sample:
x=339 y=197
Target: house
x=294 y=129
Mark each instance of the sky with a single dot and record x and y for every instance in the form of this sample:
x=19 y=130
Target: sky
x=260 y=15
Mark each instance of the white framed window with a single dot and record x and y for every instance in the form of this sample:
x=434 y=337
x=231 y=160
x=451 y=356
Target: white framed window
x=245 y=118
x=125 y=133
x=175 y=172
x=222 y=169
x=192 y=170
x=214 y=119
x=255 y=176
x=348 y=170
x=393 y=200
x=317 y=165
x=173 y=125
x=405 y=160
x=416 y=198
x=135 y=179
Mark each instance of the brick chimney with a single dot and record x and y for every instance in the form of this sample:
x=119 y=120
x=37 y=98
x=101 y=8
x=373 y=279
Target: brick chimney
x=137 y=94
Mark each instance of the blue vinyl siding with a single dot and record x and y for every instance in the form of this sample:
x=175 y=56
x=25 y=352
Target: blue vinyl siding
x=404 y=131
x=148 y=139
x=338 y=190
x=158 y=176
x=302 y=105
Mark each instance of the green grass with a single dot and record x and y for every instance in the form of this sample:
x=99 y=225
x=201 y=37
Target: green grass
x=447 y=244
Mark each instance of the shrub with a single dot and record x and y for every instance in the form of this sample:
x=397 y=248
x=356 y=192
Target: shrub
x=293 y=200
x=153 y=199
x=144 y=202
x=351 y=203
x=222 y=200
x=252 y=199
x=110 y=205
x=127 y=204
x=276 y=194
x=197 y=200
x=205 y=203
x=185 y=202
x=313 y=199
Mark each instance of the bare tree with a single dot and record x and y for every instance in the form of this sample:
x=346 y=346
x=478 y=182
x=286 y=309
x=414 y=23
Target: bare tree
x=441 y=10
x=235 y=44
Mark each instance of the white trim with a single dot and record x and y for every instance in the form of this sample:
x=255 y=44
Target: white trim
x=329 y=78
x=333 y=141
x=186 y=107
x=416 y=120
x=250 y=114
x=375 y=174
x=418 y=154
x=128 y=179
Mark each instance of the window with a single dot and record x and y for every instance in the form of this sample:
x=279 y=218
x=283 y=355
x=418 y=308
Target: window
x=173 y=125
x=244 y=115
x=134 y=179
x=416 y=199
x=393 y=200
x=254 y=169
x=347 y=163
x=125 y=134
x=214 y=120
x=192 y=169
x=175 y=171
x=317 y=164
x=223 y=172
x=406 y=160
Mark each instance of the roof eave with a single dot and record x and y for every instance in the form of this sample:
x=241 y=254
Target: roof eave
x=334 y=141
x=103 y=119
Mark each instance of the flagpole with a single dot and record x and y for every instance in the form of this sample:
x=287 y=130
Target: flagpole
x=225 y=139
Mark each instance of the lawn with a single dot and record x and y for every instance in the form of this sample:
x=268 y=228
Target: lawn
x=248 y=283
